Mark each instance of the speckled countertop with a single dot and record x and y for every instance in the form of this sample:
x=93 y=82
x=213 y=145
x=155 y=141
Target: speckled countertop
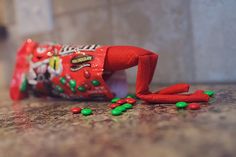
x=39 y=127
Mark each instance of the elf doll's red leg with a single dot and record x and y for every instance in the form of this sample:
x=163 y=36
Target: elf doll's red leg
x=123 y=57
x=175 y=89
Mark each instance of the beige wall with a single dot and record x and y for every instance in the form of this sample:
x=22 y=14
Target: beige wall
x=195 y=38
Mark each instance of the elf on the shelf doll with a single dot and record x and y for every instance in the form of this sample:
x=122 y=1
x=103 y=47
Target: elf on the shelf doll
x=82 y=72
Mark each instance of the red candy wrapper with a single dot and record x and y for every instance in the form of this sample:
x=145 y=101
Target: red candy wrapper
x=89 y=72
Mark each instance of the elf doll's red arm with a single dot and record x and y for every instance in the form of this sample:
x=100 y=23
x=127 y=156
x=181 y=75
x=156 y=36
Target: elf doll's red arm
x=123 y=57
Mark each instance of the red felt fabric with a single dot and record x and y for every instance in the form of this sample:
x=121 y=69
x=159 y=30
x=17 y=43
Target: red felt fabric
x=123 y=57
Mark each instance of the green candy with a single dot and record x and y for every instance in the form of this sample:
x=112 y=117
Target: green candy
x=63 y=80
x=127 y=106
x=131 y=96
x=86 y=112
x=95 y=82
x=81 y=89
x=59 y=89
x=73 y=90
x=116 y=112
x=209 y=93
x=23 y=86
x=114 y=100
x=72 y=83
x=120 y=108
x=181 y=105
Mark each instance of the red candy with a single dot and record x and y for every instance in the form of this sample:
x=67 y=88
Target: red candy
x=112 y=106
x=86 y=74
x=75 y=110
x=130 y=100
x=194 y=106
x=121 y=101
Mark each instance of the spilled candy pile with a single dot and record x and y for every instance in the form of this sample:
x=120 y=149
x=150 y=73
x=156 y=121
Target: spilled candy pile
x=120 y=106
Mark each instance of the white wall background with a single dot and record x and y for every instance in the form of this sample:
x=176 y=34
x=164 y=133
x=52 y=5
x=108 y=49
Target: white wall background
x=196 y=39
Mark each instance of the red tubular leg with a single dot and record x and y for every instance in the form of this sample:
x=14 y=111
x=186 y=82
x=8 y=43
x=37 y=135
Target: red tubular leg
x=173 y=98
x=175 y=89
x=123 y=57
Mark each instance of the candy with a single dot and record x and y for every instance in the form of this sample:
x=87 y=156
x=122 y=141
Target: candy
x=127 y=106
x=120 y=108
x=115 y=112
x=86 y=112
x=73 y=90
x=194 y=106
x=181 y=105
x=209 y=92
x=87 y=87
x=130 y=100
x=59 y=89
x=121 y=101
x=75 y=110
x=72 y=83
x=81 y=88
x=63 y=80
x=114 y=100
x=112 y=106
x=86 y=74
x=23 y=85
x=68 y=77
x=95 y=82
x=131 y=96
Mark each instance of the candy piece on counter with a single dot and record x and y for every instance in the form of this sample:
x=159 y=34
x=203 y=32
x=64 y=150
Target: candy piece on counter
x=75 y=110
x=115 y=112
x=86 y=111
x=121 y=101
x=114 y=100
x=120 y=108
x=127 y=106
x=209 y=92
x=194 y=106
x=181 y=105
x=130 y=100
x=112 y=106
x=131 y=96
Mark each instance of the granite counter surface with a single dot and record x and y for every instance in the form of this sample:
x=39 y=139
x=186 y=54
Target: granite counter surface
x=46 y=127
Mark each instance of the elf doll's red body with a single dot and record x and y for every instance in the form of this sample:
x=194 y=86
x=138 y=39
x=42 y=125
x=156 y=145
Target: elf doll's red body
x=81 y=72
